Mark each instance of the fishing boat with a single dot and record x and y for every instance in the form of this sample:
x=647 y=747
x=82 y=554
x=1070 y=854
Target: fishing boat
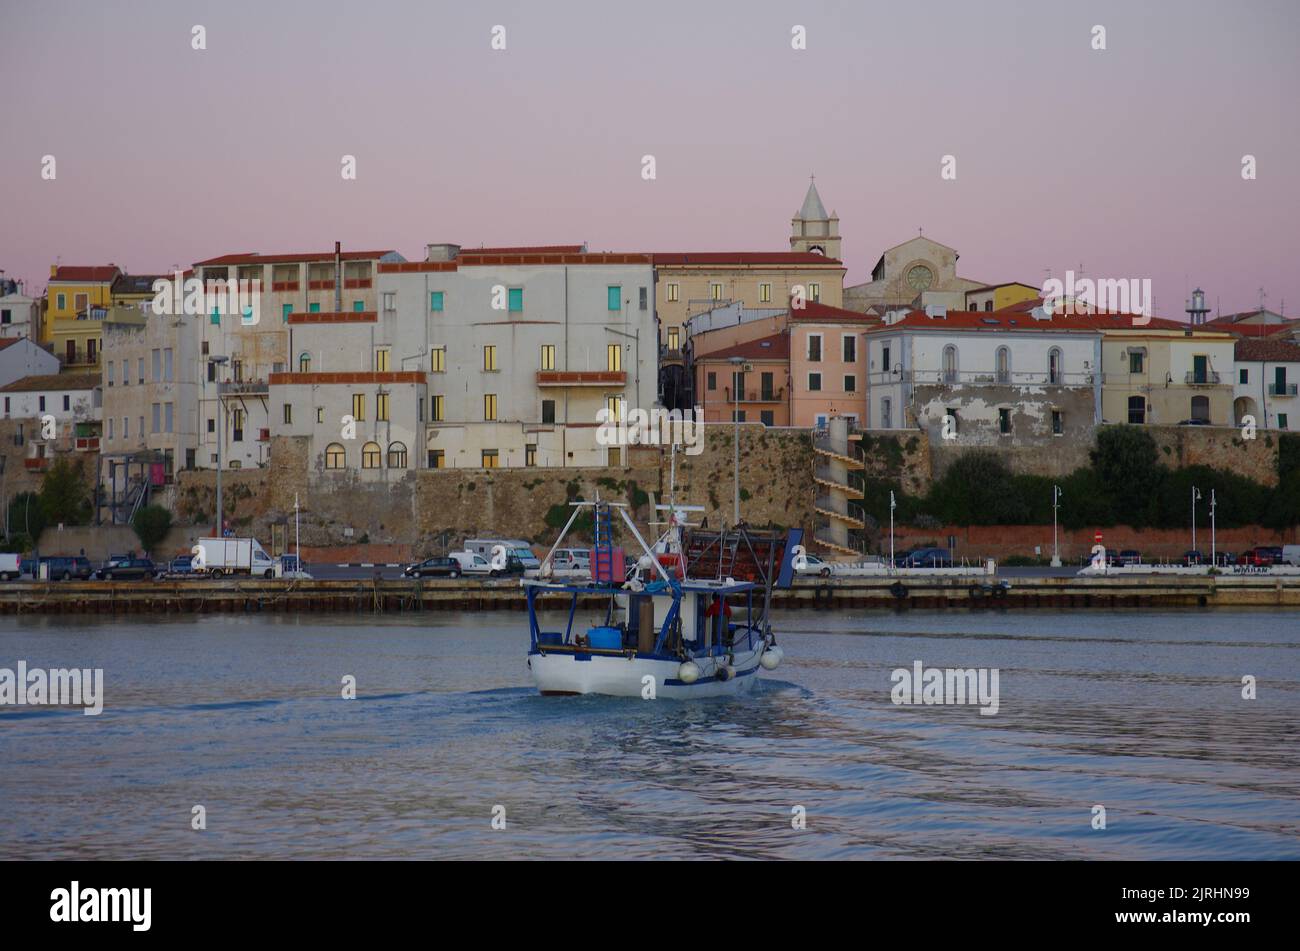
x=688 y=617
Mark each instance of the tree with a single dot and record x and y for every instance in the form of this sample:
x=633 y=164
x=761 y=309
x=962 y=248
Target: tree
x=26 y=516
x=64 y=497
x=151 y=524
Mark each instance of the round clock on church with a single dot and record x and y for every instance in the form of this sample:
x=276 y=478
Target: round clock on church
x=920 y=277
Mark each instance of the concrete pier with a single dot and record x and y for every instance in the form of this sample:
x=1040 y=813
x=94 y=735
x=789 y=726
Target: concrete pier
x=405 y=595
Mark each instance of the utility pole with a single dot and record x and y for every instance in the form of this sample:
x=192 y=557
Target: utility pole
x=736 y=374
x=221 y=432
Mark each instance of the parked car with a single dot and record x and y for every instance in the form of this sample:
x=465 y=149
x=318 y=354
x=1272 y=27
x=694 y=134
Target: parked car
x=441 y=567
x=1193 y=557
x=1129 y=556
x=1273 y=551
x=1291 y=555
x=1224 y=558
x=923 y=558
x=1258 y=557
x=127 y=569
x=64 y=567
x=571 y=562
x=181 y=565
x=11 y=565
x=815 y=566
x=514 y=547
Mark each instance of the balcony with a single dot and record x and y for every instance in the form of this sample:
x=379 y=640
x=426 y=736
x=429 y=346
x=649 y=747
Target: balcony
x=1203 y=378
x=244 y=388
x=755 y=396
x=981 y=378
x=566 y=378
x=1285 y=389
x=86 y=444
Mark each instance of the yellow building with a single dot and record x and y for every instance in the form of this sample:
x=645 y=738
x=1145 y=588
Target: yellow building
x=1165 y=372
x=998 y=296
x=76 y=300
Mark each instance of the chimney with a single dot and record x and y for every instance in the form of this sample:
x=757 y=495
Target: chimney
x=54 y=270
x=338 y=276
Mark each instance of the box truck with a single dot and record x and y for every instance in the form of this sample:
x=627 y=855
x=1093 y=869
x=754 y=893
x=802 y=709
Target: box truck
x=233 y=556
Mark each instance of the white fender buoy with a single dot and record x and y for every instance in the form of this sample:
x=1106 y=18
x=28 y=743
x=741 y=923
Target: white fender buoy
x=771 y=658
x=688 y=672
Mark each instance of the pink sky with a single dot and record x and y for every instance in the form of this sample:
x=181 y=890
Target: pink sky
x=1126 y=161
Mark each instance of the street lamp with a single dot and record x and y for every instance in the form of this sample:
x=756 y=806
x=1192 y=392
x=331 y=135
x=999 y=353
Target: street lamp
x=1214 y=557
x=736 y=364
x=892 y=505
x=1196 y=494
x=1056 y=504
x=221 y=430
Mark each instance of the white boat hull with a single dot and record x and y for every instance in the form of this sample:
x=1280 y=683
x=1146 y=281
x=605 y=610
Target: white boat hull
x=617 y=676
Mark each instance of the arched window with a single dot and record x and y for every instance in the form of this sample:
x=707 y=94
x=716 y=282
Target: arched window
x=1201 y=408
x=1004 y=365
x=335 y=458
x=950 y=364
x=397 y=455
x=370 y=455
x=304 y=362
x=1054 y=366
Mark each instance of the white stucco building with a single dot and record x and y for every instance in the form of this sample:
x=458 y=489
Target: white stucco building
x=1267 y=383
x=474 y=358
x=55 y=414
x=1000 y=376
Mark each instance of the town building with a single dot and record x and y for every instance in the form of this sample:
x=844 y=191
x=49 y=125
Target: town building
x=19 y=314
x=152 y=380
x=20 y=357
x=55 y=414
x=1265 y=384
x=76 y=300
x=918 y=273
x=1000 y=296
x=987 y=379
x=814 y=231
x=476 y=358
x=746 y=382
x=239 y=352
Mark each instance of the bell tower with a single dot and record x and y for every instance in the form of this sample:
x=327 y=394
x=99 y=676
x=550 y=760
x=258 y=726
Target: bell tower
x=812 y=229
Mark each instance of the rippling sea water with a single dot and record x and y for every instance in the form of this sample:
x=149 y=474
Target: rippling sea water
x=1139 y=711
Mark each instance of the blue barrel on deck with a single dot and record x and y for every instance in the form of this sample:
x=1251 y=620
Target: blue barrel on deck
x=605 y=638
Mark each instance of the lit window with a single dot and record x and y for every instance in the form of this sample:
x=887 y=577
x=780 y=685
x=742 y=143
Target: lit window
x=489 y=406
x=548 y=356
x=304 y=363
x=613 y=358
x=672 y=292
x=530 y=455
x=381 y=407
x=435 y=408
x=370 y=455
x=489 y=458
x=397 y=456
x=358 y=406
x=438 y=360
x=334 y=456
x=489 y=357
x=715 y=291
x=381 y=361
x=764 y=293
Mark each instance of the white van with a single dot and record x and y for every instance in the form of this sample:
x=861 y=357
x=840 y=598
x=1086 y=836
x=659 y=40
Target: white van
x=1290 y=555
x=513 y=546
x=470 y=563
x=571 y=563
x=10 y=566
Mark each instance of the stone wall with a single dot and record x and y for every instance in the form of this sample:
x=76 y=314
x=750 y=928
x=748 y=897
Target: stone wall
x=776 y=487
x=1220 y=447
x=904 y=456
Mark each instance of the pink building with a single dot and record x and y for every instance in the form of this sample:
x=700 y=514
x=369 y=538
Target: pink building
x=828 y=368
